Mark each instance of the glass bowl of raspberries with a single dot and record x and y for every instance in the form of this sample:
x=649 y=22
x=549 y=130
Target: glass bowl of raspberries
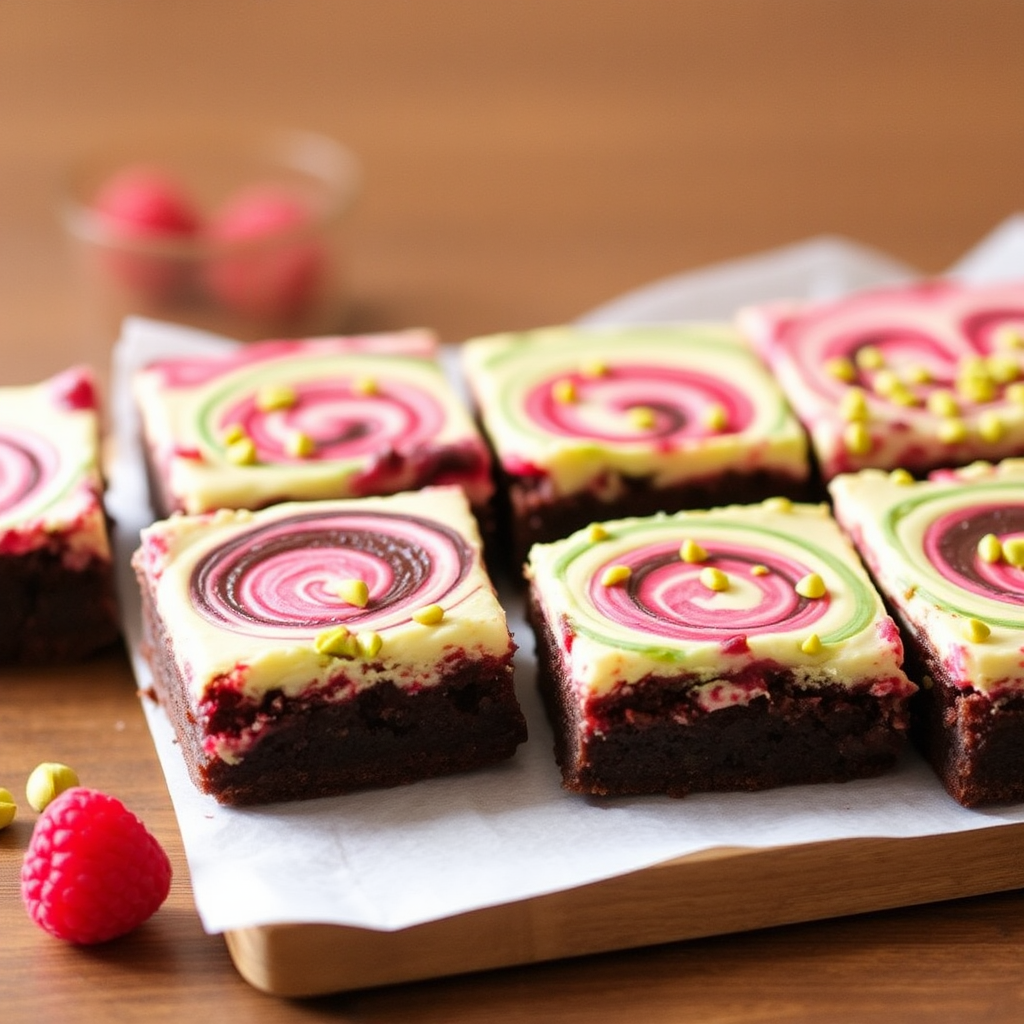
x=236 y=232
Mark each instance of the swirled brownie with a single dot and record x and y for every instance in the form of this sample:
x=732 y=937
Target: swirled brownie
x=948 y=553
x=917 y=377
x=313 y=648
x=733 y=649
x=306 y=420
x=597 y=423
x=57 y=598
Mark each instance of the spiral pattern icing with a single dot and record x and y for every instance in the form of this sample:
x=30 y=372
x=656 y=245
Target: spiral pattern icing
x=280 y=580
x=343 y=420
x=664 y=606
x=28 y=463
x=678 y=401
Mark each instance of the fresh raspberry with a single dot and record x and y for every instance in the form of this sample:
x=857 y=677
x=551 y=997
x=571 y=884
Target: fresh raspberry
x=92 y=871
x=275 y=268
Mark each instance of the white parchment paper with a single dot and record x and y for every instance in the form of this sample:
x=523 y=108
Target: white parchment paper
x=391 y=859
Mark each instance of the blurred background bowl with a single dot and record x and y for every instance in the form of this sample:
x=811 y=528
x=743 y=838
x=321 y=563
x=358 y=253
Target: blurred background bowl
x=236 y=232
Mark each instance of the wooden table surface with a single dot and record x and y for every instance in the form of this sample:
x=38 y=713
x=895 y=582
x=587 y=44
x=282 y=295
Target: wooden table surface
x=524 y=162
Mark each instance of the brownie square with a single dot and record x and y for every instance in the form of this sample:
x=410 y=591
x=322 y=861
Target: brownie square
x=739 y=648
x=57 y=596
x=948 y=554
x=313 y=648
x=918 y=376
x=306 y=420
x=599 y=423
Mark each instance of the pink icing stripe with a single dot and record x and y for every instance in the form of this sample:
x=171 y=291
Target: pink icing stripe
x=679 y=400
x=665 y=597
x=27 y=463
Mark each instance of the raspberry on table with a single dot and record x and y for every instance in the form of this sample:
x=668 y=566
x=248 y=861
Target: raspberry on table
x=92 y=871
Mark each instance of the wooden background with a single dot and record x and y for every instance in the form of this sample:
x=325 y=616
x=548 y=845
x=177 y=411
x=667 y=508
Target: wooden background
x=524 y=161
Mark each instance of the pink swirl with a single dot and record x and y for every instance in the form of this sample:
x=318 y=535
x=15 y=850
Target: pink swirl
x=27 y=463
x=951 y=546
x=664 y=595
x=281 y=579
x=342 y=422
x=678 y=399
x=984 y=328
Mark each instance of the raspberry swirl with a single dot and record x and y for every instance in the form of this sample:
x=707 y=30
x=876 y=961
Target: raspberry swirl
x=28 y=462
x=663 y=607
x=938 y=532
x=664 y=596
x=679 y=401
x=281 y=579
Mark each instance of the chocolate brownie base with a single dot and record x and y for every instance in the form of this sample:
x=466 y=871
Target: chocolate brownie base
x=975 y=745
x=654 y=738
x=533 y=514
x=52 y=613
x=313 y=747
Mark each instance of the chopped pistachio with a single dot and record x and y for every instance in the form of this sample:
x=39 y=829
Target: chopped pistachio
x=241 y=452
x=366 y=386
x=952 y=431
x=943 y=403
x=232 y=432
x=8 y=808
x=641 y=416
x=1010 y=338
x=990 y=549
x=615 y=574
x=431 y=615
x=690 y=551
x=841 y=368
x=716 y=418
x=275 y=396
x=870 y=358
x=47 y=781
x=1013 y=551
x=759 y=570
x=714 y=579
x=596 y=533
x=300 y=445
x=918 y=374
x=1015 y=393
x=976 y=631
x=354 y=592
x=777 y=504
x=1003 y=369
x=857 y=438
x=811 y=585
x=337 y=641
x=564 y=392
x=369 y=643
x=991 y=427
x=595 y=368
x=885 y=382
x=812 y=645
x=853 y=406
x=901 y=476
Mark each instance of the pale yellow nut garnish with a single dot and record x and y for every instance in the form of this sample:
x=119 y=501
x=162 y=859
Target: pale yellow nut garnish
x=990 y=549
x=811 y=585
x=976 y=631
x=869 y=358
x=902 y=395
x=369 y=643
x=1015 y=393
x=47 y=781
x=232 y=432
x=690 y=551
x=241 y=452
x=8 y=808
x=777 y=504
x=951 y=431
x=885 y=382
x=1013 y=551
x=857 y=439
x=991 y=427
x=300 y=445
x=563 y=391
x=943 y=403
x=853 y=405
x=976 y=389
x=759 y=570
x=431 y=615
x=354 y=592
x=1003 y=369
x=595 y=368
x=841 y=368
x=597 y=533
x=271 y=397
x=812 y=645
x=917 y=375
x=714 y=579
x=615 y=574
x=901 y=476
x=1010 y=338
x=642 y=417
x=365 y=386
x=337 y=642
x=715 y=417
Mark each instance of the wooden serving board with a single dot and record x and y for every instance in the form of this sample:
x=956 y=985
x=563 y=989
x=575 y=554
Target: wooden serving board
x=710 y=893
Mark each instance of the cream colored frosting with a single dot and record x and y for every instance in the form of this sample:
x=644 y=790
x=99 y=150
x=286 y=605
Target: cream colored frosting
x=50 y=481
x=290 y=586
x=360 y=401
x=672 y=403
x=899 y=526
x=663 y=620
